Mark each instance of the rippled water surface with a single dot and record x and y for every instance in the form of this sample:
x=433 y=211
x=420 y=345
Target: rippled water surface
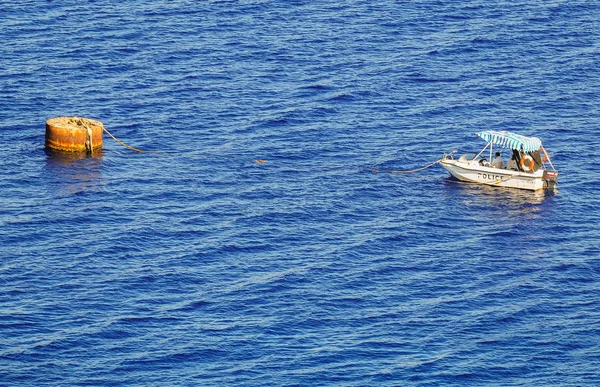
x=205 y=267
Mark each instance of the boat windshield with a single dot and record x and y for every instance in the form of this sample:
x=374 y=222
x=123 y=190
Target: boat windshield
x=468 y=156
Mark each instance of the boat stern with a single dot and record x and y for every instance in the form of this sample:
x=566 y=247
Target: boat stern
x=550 y=179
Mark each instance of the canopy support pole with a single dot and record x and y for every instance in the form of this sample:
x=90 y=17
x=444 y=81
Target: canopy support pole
x=484 y=148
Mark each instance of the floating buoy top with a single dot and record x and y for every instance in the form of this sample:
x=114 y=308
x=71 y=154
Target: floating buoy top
x=74 y=134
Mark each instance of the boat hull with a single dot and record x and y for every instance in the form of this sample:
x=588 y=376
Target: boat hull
x=475 y=173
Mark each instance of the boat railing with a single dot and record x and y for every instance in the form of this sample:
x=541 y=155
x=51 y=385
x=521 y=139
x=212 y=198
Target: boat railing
x=449 y=156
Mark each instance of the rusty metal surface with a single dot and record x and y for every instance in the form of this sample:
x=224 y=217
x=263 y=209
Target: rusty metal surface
x=69 y=134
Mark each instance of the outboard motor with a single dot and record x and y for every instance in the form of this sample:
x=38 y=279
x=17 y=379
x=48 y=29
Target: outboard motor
x=550 y=179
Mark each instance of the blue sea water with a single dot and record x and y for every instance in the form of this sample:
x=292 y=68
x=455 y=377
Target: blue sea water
x=206 y=268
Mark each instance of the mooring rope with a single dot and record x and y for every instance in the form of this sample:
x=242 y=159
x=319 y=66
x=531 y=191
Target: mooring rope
x=130 y=147
x=89 y=144
x=374 y=170
x=404 y=172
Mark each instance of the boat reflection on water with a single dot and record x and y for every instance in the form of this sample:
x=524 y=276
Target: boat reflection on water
x=502 y=194
x=509 y=201
x=75 y=172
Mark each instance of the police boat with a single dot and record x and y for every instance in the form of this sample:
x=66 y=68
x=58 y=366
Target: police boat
x=527 y=166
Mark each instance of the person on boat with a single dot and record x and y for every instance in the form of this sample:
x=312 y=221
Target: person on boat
x=497 y=163
x=512 y=162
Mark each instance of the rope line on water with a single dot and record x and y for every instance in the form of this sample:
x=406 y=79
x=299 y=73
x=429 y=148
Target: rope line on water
x=374 y=170
x=130 y=147
x=404 y=172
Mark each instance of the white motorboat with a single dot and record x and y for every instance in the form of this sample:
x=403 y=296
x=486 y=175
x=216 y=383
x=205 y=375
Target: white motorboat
x=529 y=166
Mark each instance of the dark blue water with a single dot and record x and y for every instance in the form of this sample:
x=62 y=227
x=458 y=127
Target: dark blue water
x=206 y=268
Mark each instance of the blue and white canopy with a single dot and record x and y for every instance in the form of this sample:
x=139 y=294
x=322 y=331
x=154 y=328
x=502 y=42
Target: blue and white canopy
x=511 y=140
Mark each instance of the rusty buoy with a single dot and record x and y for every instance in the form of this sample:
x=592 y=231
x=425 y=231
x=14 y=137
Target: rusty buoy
x=73 y=134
